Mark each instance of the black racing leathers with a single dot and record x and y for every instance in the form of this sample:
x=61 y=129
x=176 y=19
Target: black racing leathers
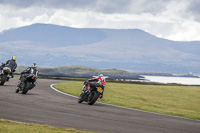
x=29 y=70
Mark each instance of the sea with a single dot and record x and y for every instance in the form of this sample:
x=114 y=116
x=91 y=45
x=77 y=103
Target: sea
x=178 y=80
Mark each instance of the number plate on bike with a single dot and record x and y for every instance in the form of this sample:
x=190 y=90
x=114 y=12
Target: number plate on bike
x=99 y=89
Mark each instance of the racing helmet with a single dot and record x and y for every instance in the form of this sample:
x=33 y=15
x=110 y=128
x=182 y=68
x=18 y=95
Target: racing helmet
x=100 y=75
x=13 y=58
x=34 y=65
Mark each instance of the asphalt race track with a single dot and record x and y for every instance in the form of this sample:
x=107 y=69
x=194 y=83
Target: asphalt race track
x=43 y=105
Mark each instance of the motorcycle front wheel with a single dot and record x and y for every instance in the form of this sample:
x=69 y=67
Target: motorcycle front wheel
x=80 y=99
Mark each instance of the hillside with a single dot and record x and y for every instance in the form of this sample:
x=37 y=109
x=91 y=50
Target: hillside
x=126 y=49
x=86 y=72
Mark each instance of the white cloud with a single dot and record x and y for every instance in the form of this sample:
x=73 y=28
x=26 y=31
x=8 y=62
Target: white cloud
x=41 y=18
x=186 y=31
x=165 y=19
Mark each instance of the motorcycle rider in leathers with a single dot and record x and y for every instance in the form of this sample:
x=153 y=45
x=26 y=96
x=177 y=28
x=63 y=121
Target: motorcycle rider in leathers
x=25 y=73
x=98 y=81
x=11 y=64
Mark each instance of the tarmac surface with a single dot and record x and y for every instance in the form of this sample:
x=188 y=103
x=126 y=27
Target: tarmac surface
x=43 y=105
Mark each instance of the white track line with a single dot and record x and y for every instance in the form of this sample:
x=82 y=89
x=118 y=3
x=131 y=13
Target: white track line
x=124 y=107
x=61 y=91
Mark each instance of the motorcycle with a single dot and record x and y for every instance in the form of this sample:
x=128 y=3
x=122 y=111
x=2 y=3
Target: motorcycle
x=5 y=75
x=28 y=84
x=91 y=94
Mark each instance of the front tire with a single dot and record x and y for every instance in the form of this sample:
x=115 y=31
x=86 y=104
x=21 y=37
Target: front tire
x=80 y=99
x=92 y=98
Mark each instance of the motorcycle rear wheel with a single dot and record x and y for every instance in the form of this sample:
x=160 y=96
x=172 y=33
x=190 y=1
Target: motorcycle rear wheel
x=92 y=98
x=3 y=79
x=26 y=88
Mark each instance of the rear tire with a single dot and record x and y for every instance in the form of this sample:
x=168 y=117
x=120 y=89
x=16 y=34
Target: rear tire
x=3 y=79
x=92 y=98
x=26 y=88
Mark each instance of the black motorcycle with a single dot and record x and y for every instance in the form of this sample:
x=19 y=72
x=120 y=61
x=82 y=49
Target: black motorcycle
x=28 y=84
x=4 y=75
x=91 y=94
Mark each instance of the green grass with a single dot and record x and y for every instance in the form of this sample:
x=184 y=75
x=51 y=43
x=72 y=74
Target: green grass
x=16 y=75
x=13 y=127
x=183 y=101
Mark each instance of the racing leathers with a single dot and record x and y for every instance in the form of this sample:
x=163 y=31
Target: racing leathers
x=99 y=81
x=11 y=64
x=25 y=73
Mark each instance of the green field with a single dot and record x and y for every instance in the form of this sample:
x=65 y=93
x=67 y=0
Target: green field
x=182 y=101
x=13 y=127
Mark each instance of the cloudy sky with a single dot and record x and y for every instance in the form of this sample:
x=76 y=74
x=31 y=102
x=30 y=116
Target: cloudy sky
x=177 y=20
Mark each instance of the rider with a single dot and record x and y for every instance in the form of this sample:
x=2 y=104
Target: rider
x=97 y=81
x=25 y=73
x=11 y=64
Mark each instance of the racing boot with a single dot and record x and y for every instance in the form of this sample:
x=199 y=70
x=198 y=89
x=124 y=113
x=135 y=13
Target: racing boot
x=17 y=90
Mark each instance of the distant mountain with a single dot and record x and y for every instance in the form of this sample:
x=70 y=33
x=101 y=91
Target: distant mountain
x=127 y=49
x=52 y=35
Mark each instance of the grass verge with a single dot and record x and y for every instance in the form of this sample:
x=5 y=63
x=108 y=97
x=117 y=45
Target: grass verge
x=13 y=127
x=182 y=101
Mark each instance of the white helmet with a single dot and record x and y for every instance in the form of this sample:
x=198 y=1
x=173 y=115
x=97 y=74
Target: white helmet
x=34 y=65
x=100 y=75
